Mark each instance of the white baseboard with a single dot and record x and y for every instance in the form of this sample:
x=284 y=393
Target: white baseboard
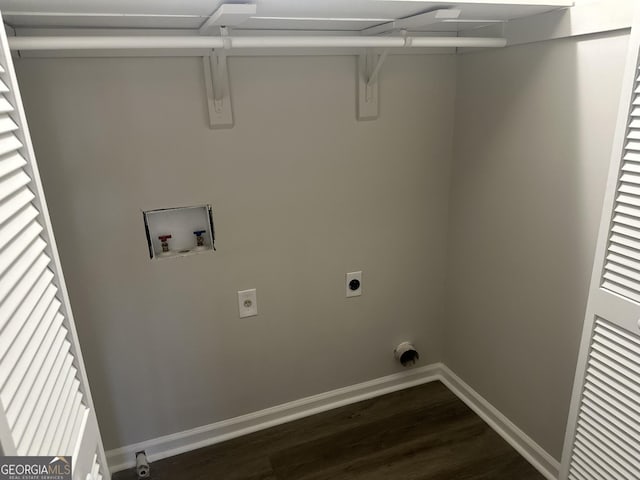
x=548 y=466
x=174 y=444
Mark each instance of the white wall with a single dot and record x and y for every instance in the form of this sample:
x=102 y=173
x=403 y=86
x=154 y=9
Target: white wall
x=534 y=126
x=302 y=193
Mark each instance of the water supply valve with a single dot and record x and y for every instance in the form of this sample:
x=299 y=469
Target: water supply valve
x=165 y=243
x=199 y=239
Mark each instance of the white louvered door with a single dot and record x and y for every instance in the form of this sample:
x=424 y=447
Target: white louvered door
x=603 y=432
x=45 y=403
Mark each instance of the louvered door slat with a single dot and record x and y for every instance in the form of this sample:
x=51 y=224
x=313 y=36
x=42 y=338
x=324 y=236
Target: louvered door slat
x=22 y=380
x=10 y=184
x=629 y=221
x=608 y=425
x=606 y=470
x=45 y=403
x=616 y=353
x=52 y=392
x=73 y=418
x=5 y=106
x=31 y=264
x=577 y=471
x=621 y=273
x=630 y=170
x=624 y=251
x=19 y=244
x=57 y=411
x=619 y=438
x=580 y=470
x=16 y=237
x=38 y=376
x=620 y=268
x=598 y=392
x=11 y=163
x=20 y=256
x=609 y=445
x=78 y=423
x=81 y=423
x=617 y=334
x=9 y=143
x=60 y=415
x=6 y=124
x=18 y=414
x=625 y=467
x=631 y=174
x=625 y=241
x=22 y=300
x=625 y=262
x=18 y=356
x=627 y=231
x=597 y=451
x=612 y=441
x=621 y=290
x=589 y=464
x=622 y=345
x=618 y=385
x=14 y=204
x=630 y=156
x=630 y=211
x=18 y=223
x=609 y=392
x=596 y=410
x=24 y=377
x=629 y=186
x=603 y=403
x=634 y=134
x=621 y=285
x=622 y=383
x=629 y=200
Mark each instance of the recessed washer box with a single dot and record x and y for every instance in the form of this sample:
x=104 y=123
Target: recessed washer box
x=180 y=231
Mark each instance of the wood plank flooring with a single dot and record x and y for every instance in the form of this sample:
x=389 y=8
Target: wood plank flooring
x=422 y=433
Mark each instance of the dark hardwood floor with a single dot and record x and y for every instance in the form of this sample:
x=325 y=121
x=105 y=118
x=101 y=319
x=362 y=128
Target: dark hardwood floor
x=421 y=433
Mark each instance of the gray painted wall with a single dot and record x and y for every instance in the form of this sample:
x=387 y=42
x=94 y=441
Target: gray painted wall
x=534 y=126
x=302 y=193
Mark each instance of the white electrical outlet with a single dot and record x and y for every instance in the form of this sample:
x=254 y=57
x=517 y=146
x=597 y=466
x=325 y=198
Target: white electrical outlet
x=354 y=284
x=247 y=303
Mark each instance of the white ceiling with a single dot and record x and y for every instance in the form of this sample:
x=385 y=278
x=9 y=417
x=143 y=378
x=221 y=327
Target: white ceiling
x=347 y=15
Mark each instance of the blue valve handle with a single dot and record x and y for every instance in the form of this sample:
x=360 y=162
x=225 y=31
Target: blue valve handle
x=197 y=233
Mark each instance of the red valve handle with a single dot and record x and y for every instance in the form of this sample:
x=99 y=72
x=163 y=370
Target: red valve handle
x=164 y=238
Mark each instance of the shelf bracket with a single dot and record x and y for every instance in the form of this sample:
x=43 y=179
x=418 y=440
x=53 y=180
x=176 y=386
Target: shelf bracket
x=415 y=22
x=369 y=65
x=373 y=75
x=216 y=79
